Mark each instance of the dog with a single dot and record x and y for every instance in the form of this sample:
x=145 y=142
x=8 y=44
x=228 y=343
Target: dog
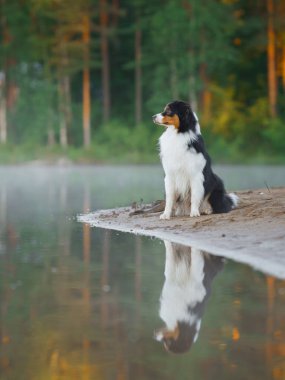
x=189 y=273
x=189 y=178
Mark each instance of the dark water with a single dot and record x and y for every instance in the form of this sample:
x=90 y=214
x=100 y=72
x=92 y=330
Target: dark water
x=82 y=303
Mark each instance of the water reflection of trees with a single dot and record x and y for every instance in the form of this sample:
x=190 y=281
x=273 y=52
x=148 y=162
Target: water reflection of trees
x=80 y=303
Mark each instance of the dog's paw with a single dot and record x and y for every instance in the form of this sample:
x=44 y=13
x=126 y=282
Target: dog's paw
x=194 y=213
x=206 y=211
x=164 y=216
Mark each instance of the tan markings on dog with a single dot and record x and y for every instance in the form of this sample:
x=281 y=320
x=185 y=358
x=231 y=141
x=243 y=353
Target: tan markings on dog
x=171 y=120
x=168 y=334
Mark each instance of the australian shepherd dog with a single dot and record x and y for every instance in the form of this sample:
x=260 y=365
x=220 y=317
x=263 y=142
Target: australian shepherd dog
x=189 y=179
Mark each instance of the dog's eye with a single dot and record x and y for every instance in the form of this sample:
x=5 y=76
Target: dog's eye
x=167 y=113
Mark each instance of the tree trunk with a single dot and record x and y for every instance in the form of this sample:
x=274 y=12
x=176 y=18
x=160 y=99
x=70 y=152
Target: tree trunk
x=191 y=11
x=207 y=102
x=63 y=111
x=192 y=93
x=173 y=78
x=271 y=64
x=283 y=68
x=3 y=102
x=105 y=61
x=51 y=137
x=50 y=128
x=3 y=119
x=206 y=97
x=50 y=122
x=64 y=96
x=138 y=77
x=86 y=83
x=115 y=11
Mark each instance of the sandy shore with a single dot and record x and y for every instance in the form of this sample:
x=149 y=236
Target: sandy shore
x=254 y=233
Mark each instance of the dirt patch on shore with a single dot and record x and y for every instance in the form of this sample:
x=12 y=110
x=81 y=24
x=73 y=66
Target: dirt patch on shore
x=256 y=228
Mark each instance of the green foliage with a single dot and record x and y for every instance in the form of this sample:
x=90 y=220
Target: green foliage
x=119 y=137
x=33 y=112
x=188 y=48
x=227 y=120
x=275 y=133
x=224 y=151
x=117 y=144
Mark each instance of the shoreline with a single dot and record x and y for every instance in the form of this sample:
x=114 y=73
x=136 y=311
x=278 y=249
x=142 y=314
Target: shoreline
x=253 y=233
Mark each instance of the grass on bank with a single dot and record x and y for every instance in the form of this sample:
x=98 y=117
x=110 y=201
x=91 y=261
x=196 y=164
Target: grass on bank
x=116 y=144
x=220 y=154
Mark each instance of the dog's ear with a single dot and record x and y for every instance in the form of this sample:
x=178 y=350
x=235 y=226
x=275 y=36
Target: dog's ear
x=187 y=118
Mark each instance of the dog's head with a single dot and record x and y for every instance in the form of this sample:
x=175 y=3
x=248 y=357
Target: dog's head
x=179 y=115
x=179 y=340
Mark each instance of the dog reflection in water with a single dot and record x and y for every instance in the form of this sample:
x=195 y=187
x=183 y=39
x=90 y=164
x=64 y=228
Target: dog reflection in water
x=189 y=273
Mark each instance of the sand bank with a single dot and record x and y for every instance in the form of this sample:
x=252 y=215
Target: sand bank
x=254 y=233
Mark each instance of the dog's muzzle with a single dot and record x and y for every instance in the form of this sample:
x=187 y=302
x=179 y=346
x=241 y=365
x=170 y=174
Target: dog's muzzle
x=157 y=119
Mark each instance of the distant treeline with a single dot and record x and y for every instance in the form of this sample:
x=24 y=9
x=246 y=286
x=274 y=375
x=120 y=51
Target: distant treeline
x=90 y=73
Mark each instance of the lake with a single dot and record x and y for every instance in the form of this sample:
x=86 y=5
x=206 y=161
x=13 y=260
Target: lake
x=86 y=303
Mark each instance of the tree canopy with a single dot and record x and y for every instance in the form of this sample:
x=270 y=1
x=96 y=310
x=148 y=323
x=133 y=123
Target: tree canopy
x=92 y=72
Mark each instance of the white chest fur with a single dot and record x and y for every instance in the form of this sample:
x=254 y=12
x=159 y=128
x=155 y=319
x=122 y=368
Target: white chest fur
x=176 y=157
x=183 y=168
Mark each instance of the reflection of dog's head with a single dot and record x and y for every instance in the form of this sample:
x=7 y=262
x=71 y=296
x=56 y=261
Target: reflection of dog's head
x=189 y=273
x=180 y=339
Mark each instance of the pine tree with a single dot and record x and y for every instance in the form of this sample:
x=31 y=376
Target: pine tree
x=104 y=25
x=3 y=112
x=191 y=44
x=271 y=59
x=86 y=35
x=3 y=119
x=71 y=55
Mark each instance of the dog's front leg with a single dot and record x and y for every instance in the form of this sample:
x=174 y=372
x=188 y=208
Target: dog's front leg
x=169 y=260
x=169 y=195
x=197 y=195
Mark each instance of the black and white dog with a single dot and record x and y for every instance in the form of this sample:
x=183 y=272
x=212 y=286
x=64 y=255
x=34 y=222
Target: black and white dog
x=189 y=273
x=189 y=179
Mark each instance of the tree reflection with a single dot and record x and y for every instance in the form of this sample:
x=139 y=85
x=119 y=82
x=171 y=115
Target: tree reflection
x=80 y=303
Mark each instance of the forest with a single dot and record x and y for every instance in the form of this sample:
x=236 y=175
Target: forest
x=81 y=79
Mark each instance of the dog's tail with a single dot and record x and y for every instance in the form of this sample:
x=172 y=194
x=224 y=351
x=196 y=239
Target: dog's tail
x=220 y=201
x=234 y=199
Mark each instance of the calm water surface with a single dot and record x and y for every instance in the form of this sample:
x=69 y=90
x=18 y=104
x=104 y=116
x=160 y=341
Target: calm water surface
x=84 y=303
